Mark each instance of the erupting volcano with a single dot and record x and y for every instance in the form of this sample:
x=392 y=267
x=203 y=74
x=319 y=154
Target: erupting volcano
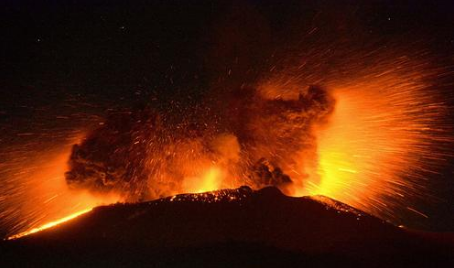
x=219 y=123
x=365 y=141
x=255 y=140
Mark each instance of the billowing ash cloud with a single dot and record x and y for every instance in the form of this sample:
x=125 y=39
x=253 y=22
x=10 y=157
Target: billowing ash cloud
x=256 y=137
x=253 y=127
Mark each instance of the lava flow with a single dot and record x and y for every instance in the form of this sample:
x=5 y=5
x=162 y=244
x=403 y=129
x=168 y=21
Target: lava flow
x=49 y=224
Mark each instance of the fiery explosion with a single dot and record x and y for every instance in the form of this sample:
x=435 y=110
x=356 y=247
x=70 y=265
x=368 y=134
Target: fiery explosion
x=382 y=142
x=257 y=141
x=364 y=130
x=367 y=140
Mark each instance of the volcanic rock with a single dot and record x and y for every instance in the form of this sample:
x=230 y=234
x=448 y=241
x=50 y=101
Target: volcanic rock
x=229 y=228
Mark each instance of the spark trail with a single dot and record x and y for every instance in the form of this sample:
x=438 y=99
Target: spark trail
x=362 y=123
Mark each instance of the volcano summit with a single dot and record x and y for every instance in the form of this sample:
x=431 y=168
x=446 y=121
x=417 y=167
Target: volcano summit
x=230 y=228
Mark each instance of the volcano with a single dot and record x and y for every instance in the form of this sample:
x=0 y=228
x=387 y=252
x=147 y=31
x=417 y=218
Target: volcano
x=229 y=228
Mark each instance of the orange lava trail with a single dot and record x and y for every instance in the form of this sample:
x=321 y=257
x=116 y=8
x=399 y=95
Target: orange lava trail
x=49 y=225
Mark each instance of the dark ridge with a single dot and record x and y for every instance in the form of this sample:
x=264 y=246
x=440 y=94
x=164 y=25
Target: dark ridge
x=228 y=228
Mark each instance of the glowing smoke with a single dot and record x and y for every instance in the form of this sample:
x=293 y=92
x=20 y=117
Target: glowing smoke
x=143 y=155
x=369 y=133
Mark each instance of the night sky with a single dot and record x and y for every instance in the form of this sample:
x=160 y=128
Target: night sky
x=66 y=64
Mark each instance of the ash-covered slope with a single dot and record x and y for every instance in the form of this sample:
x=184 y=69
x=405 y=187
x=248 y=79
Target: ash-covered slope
x=228 y=228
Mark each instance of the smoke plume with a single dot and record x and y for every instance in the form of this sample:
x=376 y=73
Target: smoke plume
x=256 y=138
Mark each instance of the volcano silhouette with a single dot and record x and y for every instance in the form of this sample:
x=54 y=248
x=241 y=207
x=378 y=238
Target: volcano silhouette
x=229 y=228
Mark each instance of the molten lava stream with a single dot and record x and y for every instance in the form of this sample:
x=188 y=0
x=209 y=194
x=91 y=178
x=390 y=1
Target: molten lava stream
x=49 y=224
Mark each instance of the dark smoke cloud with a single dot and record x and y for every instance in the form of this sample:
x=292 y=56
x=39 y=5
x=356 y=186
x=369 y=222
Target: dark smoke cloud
x=254 y=135
x=254 y=124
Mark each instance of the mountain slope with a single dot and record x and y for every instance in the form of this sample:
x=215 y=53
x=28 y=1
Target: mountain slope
x=228 y=228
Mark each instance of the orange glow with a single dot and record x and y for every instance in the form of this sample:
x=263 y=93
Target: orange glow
x=368 y=136
x=41 y=197
x=211 y=180
x=49 y=225
x=377 y=143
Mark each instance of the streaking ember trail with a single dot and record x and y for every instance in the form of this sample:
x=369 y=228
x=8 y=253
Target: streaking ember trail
x=368 y=140
x=49 y=225
x=35 y=192
x=358 y=122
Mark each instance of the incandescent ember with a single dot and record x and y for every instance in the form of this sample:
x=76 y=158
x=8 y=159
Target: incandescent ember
x=253 y=139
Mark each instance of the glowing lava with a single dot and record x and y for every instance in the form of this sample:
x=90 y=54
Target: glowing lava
x=210 y=181
x=49 y=225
